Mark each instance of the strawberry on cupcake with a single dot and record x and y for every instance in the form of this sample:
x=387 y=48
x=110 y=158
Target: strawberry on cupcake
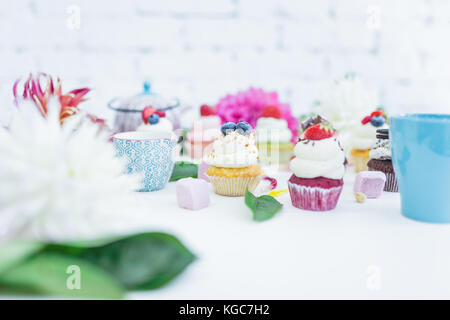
x=203 y=133
x=318 y=169
x=365 y=137
x=155 y=121
x=273 y=137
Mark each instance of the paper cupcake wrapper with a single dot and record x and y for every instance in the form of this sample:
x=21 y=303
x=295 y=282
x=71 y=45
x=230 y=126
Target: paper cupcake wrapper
x=234 y=187
x=360 y=164
x=391 y=184
x=313 y=198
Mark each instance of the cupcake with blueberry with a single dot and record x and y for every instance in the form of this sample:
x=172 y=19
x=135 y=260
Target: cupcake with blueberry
x=155 y=121
x=318 y=169
x=365 y=137
x=381 y=160
x=233 y=161
x=203 y=133
x=273 y=137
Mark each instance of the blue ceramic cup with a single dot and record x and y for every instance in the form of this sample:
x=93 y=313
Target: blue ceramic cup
x=421 y=159
x=149 y=155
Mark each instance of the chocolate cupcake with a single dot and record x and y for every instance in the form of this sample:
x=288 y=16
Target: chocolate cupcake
x=381 y=160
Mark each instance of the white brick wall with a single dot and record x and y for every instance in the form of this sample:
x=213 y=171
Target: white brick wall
x=200 y=50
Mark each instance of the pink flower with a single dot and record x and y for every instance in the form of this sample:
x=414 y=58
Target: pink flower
x=248 y=106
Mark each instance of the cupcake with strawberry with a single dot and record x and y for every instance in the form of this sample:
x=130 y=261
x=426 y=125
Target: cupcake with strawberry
x=203 y=133
x=273 y=137
x=318 y=169
x=155 y=121
x=234 y=161
x=365 y=137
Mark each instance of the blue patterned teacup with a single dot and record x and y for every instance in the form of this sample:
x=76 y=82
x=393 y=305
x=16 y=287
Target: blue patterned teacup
x=148 y=154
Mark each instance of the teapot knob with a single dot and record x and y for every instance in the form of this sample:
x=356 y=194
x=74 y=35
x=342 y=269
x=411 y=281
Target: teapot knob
x=147 y=87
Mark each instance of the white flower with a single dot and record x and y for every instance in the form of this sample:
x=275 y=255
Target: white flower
x=58 y=182
x=344 y=102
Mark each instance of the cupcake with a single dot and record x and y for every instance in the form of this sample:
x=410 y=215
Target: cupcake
x=273 y=137
x=234 y=161
x=318 y=169
x=155 y=121
x=203 y=133
x=365 y=137
x=381 y=160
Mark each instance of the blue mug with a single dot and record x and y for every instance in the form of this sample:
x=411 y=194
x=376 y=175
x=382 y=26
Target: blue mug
x=149 y=155
x=421 y=159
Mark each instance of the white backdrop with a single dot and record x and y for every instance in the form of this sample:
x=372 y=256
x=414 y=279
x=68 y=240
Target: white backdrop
x=200 y=50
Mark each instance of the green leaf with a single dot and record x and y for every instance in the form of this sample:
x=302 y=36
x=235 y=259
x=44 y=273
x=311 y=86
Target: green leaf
x=12 y=252
x=140 y=262
x=108 y=266
x=47 y=273
x=263 y=208
x=250 y=200
x=183 y=169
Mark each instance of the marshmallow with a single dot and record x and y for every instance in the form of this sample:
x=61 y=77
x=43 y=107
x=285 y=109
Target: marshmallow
x=371 y=183
x=192 y=194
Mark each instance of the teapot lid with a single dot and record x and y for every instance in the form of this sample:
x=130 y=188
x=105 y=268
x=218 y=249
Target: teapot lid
x=146 y=98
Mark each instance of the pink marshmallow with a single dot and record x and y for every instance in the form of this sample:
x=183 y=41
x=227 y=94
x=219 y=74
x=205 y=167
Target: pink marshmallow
x=192 y=194
x=202 y=167
x=371 y=183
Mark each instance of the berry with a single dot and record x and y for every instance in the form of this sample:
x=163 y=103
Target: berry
x=377 y=121
x=271 y=112
x=319 y=131
x=228 y=127
x=244 y=128
x=146 y=113
x=206 y=110
x=377 y=113
x=160 y=113
x=366 y=120
x=153 y=119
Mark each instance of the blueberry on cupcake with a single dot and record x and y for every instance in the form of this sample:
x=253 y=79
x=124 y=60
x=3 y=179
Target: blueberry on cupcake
x=365 y=137
x=234 y=161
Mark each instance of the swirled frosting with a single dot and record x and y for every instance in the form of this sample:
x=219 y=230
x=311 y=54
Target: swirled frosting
x=381 y=150
x=318 y=158
x=365 y=136
x=164 y=125
x=233 y=150
x=272 y=130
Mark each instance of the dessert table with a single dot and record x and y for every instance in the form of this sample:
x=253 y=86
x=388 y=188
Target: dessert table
x=357 y=251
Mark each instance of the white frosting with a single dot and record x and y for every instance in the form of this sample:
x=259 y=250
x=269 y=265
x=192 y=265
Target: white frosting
x=318 y=158
x=272 y=130
x=365 y=136
x=381 y=150
x=233 y=151
x=164 y=125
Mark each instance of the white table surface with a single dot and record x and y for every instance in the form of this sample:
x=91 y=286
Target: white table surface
x=355 y=251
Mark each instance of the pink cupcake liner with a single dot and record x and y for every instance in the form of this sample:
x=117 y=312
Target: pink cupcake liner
x=313 y=198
